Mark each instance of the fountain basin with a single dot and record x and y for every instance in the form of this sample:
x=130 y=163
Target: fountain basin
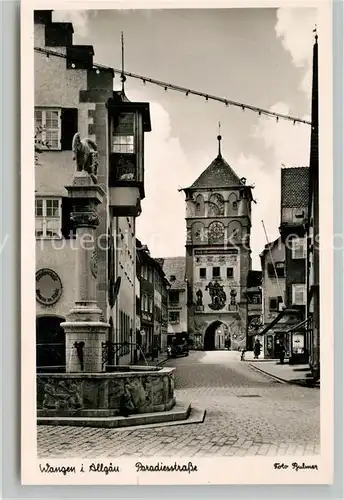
x=149 y=390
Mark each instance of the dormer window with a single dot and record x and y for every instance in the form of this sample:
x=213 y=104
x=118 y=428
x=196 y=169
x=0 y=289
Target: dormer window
x=172 y=277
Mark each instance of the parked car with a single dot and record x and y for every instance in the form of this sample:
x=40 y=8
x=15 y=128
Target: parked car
x=175 y=350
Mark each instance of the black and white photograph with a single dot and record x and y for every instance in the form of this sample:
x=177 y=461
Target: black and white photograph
x=176 y=230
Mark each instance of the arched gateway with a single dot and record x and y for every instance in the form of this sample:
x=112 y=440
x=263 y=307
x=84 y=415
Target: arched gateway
x=216 y=336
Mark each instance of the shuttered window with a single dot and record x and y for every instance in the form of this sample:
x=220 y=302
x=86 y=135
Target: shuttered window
x=48 y=217
x=55 y=128
x=69 y=127
x=48 y=128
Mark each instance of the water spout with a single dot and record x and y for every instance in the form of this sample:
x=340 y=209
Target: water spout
x=144 y=357
x=70 y=357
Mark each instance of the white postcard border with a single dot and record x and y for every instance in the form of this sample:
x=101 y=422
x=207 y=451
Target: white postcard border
x=231 y=470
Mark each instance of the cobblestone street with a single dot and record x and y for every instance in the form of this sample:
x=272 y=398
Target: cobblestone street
x=247 y=414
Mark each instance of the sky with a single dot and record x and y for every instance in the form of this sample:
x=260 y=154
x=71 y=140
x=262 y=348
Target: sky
x=261 y=57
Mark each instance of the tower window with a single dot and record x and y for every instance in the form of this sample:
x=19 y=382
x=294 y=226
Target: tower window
x=203 y=272
x=235 y=205
x=198 y=207
x=229 y=272
x=216 y=272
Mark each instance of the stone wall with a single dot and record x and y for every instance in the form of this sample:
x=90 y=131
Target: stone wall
x=101 y=394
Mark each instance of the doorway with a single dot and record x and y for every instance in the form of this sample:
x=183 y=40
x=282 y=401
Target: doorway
x=50 y=344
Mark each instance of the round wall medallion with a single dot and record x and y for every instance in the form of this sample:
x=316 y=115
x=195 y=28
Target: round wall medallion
x=48 y=287
x=94 y=264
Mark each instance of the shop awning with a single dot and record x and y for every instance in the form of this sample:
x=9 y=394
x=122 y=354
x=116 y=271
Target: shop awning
x=287 y=319
x=299 y=325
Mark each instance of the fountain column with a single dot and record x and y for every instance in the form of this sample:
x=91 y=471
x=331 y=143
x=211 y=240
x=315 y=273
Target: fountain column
x=84 y=330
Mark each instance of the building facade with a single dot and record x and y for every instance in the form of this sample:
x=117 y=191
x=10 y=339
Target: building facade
x=273 y=295
x=294 y=215
x=124 y=311
x=177 y=310
x=313 y=241
x=77 y=104
x=138 y=339
x=154 y=289
x=161 y=287
x=286 y=327
x=254 y=307
x=83 y=102
x=164 y=315
x=218 y=255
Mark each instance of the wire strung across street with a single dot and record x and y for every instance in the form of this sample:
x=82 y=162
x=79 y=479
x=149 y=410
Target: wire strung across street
x=186 y=91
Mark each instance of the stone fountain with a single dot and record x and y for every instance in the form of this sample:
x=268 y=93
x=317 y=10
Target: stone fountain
x=87 y=395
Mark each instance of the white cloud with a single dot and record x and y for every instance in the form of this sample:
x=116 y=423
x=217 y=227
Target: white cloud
x=267 y=195
x=295 y=28
x=289 y=143
x=79 y=18
x=161 y=225
x=286 y=145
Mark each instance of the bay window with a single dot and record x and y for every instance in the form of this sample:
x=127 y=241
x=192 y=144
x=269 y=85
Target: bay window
x=123 y=134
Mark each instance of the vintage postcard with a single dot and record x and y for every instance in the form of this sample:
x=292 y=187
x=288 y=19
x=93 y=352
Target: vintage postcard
x=177 y=243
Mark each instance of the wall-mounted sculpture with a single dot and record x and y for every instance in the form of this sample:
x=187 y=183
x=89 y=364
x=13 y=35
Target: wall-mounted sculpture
x=217 y=295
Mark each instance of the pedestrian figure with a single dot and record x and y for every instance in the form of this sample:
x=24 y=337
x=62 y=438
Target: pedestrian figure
x=257 y=349
x=282 y=353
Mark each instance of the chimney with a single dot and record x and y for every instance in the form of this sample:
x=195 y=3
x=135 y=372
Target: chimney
x=80 y=57
x=42 y=16
x=59 y=35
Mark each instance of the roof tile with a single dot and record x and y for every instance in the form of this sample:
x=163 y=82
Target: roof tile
x=218 y=174
x=294 y=187
x=174 y=266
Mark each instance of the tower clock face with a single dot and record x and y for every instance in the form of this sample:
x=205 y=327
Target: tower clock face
x=216 y=231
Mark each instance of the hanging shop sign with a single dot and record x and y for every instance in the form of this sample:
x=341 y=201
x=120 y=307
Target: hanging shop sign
x=48 y=287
